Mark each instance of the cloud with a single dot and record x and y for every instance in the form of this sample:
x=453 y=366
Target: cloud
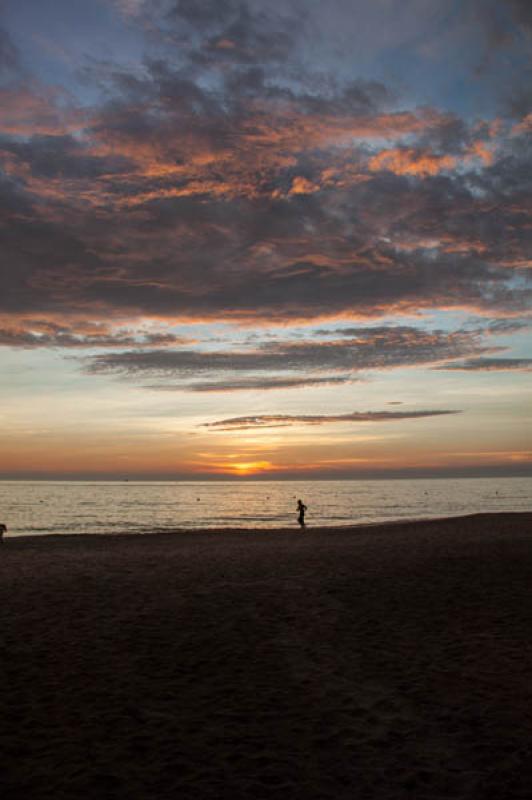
x=229 y=177
x=522 y=13
x=32 y=334
x=422 y=162
x=9 y=55
x=287 y=420
x=301 y=185
x=291 y=363
x=234 y=30
x=171 y=258
x=253 y=384
x=151 y=232
x=130 y=8
x=407 y=161
x=63 y=157
x=489 y=364
x=29 y=108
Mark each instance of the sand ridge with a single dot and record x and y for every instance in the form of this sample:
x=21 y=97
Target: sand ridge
x=390 y=661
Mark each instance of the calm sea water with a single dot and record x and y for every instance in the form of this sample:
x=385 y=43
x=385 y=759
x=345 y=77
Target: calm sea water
x=44 y=507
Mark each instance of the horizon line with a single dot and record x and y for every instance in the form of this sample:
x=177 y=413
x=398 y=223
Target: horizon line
x=524 y=471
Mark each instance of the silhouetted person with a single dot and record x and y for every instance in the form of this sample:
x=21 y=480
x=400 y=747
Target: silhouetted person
x=3 y=529
x=301 y=507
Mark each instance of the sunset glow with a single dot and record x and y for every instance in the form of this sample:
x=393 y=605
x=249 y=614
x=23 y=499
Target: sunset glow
x=255 y=240
x=247 y=468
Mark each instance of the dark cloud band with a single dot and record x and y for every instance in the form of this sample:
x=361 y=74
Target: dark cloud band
x=287 y=420
x=366 y=349
x=489 y=365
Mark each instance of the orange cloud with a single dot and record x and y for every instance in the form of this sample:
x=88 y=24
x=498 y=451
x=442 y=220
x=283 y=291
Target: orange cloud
x=270 y=140
x=225 y=44
x=525 y=126
x=480 y=149
x=410 y=162
x=186 y=157
x=301 y=185
x=32 y=110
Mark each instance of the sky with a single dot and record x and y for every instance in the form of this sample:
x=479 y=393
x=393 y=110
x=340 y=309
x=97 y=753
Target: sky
x=249 y=239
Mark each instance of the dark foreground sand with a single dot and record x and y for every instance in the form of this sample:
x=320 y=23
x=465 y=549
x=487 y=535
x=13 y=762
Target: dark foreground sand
x=383 y=662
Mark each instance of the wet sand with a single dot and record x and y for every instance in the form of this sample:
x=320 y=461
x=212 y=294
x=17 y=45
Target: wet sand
x=392 y=661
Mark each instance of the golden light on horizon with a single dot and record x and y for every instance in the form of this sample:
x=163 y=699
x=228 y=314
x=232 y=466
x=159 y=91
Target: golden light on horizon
x=248 y=467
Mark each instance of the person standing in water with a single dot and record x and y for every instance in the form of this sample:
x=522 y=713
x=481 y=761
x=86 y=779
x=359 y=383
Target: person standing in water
x=301 y=507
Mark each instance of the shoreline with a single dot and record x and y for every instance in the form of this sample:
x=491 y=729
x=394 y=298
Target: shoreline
x=383 y=662
x=309 y=528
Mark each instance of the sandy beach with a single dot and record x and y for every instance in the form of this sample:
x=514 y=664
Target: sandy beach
x=391 y=661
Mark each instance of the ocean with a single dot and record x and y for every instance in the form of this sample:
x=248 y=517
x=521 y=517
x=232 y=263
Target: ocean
x=73 y=507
